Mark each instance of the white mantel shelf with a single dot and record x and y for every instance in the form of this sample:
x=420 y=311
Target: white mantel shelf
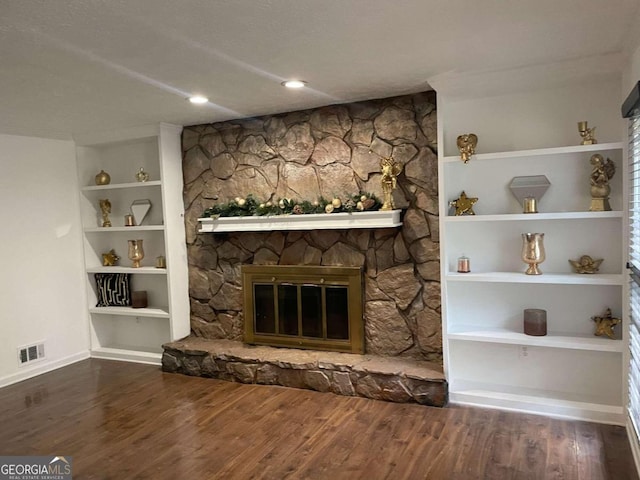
x=313 y=221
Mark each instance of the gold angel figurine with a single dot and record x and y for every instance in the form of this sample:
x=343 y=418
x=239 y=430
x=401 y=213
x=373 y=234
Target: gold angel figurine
x=390 y=171
x=105 y=208
x=587 y=134
x=602 y=171
x=467 y=145
x=586 y=264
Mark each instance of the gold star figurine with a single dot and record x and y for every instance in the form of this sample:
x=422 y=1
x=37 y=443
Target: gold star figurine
x=464 y=205
x=605 y=324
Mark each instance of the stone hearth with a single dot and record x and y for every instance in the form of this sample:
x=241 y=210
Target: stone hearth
x=394 y=379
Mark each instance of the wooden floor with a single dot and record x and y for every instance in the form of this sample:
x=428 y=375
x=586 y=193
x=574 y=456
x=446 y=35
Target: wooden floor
x=127 y=421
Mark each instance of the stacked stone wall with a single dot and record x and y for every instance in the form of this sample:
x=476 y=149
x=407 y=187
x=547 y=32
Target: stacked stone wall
x=332 y=151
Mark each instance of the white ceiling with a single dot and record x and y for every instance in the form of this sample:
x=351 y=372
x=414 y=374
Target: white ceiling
x=80 y=66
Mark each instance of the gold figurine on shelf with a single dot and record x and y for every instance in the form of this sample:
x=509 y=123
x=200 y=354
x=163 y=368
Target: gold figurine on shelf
x=142 y=176
x=601 y=173
x=464 y=205
x=390 y=170
x=586 y=264
x=587 y=134
x=605 y=324
x=467 y=145
x=533 y=253
x=110 y=258
x=136 y=252
x=105 y=208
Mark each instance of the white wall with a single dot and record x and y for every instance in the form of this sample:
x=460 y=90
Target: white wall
x=541 y=118
x=631 y=74
x=41 y=281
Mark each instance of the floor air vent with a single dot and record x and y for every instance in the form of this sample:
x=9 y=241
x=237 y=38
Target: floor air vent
x=30 y=353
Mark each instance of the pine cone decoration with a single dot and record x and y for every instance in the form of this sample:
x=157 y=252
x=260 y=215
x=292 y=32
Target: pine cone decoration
x=297 y=209
x=368 y=203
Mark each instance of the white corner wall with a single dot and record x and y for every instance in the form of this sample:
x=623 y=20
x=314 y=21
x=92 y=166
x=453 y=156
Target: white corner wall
x=631 y=74
x=42 y=294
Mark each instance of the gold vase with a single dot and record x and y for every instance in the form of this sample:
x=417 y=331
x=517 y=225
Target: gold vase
x=103 y=178
x=533 y=252
x=136 y=252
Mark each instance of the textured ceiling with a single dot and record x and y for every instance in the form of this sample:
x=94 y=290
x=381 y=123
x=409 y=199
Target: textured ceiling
x=80 y=66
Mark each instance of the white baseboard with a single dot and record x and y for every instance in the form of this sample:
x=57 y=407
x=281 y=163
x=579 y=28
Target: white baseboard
x=43 y=368
x=552 y=407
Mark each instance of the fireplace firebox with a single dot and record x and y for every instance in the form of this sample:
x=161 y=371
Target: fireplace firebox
x=309 y=307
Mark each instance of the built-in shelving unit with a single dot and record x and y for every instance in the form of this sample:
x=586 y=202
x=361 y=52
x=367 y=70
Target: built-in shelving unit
x=489 y=361
x=124 y=332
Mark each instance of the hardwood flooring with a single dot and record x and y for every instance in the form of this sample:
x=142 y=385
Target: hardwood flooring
x=129 y=421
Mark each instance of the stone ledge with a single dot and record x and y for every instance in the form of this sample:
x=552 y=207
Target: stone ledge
x=392 y=379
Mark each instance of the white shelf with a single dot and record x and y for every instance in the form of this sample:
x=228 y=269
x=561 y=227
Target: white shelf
x=541 y=152
x=151 y=356
x=315 y=221
x=154 y=312
x=140 y=270
x=511 y=217
x=546 y=278
x=551 y=340
x=137 y=228
x=120 y=186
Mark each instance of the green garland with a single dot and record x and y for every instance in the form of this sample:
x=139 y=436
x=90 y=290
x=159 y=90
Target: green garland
x=249 y=206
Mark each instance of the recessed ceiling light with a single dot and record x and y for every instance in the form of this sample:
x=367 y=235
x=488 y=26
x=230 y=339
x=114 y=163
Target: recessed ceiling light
x=294 y=83
x=198 y=99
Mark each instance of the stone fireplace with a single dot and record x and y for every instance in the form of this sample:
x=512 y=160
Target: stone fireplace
x=332 y=152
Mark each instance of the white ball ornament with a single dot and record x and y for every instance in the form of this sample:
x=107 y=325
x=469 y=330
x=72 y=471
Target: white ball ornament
x=336 y=203
x=328 y=208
